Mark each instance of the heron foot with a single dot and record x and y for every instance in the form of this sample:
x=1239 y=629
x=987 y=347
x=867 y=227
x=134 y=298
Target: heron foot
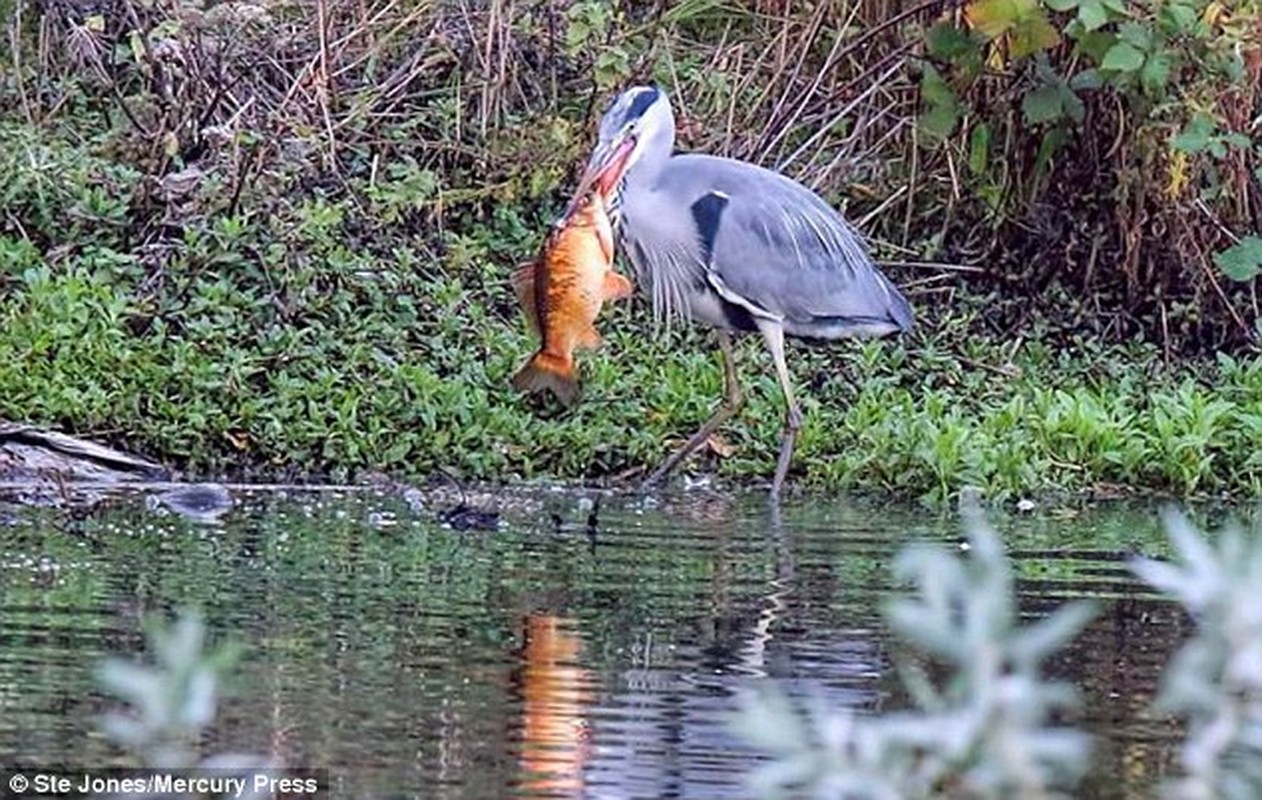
x=733 y=402
x=731 y=405
x=699 y=438
x=788 y=440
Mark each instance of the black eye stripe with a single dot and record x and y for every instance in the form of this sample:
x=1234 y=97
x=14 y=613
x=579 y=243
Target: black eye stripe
x=640 y=103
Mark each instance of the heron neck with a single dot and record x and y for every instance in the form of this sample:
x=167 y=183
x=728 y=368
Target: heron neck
x=645 y=171
x=636 y=190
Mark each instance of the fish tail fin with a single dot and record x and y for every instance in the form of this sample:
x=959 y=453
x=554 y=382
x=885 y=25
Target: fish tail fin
x=548 y=371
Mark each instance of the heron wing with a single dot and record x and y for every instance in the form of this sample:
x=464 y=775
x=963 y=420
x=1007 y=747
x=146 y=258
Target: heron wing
x=776 y=248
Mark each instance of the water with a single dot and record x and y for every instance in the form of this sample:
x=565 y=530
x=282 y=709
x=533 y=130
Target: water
x=413 y=660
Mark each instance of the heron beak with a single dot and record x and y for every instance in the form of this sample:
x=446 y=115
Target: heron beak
x=605 y=168
x=614 y=165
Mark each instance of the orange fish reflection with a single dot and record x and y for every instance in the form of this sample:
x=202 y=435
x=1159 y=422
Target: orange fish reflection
x=555 y=695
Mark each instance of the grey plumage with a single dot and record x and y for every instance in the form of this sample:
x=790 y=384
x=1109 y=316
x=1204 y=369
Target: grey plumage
x=735 y=246
x=778 y=251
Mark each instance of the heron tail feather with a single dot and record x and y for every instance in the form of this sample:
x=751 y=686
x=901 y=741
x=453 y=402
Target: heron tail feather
x=551 y=372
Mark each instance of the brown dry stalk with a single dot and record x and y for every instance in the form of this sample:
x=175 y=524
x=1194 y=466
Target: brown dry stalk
x=344 y=88
x=19 y=72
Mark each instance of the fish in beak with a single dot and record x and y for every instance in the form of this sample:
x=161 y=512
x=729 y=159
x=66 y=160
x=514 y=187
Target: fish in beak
x=608 y=163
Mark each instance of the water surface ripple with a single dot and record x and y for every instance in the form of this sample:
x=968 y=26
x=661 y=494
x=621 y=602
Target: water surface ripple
x=540 y=659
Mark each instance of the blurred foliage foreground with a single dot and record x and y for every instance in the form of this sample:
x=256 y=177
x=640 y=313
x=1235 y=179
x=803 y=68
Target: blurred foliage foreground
x=992 y=727
x=273 y=237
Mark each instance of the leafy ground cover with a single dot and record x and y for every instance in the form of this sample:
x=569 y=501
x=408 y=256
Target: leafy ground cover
x=275 y=241
x=272 y=344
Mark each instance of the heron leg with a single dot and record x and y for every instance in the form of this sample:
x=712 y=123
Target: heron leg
x=733 y=401
x=773 y=333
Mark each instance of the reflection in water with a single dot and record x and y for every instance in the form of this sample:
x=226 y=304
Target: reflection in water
x=775 y=601
x=555 y=693
x=411 y=660
x=198 y=502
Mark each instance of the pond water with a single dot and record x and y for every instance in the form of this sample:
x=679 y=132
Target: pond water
x=410 y=659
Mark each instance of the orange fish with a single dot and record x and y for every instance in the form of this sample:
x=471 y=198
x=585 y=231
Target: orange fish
x=562 y=293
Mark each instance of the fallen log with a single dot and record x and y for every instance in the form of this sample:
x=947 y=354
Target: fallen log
x=31 y=454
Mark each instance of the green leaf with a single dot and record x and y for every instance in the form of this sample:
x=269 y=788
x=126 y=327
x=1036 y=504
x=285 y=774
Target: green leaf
x=934 y=89
x=1136 y=34
x=1122 y=57
x=1042 y=105
x=1196 y=136
x=1179 y=18
x=1092 y=14
x=1237 y=140
x=1070 y=103
x=138 y=50
x=1053 y=141
x=397 y=452
x=1033 y=34
x=1062 y=5
x=1088 y=79
x=1025 y=20
x=1243 y=260
x=1096 y=43
x=994 y=17
x=979 y=148
x=1233 y=67
x=948 y=42
x=939 y=121
x=1045 y=72
x=576 y=34
x=611 y=67
x=1155 y=75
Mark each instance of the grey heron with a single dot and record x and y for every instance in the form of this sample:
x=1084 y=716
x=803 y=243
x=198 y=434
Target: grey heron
x=734 y=246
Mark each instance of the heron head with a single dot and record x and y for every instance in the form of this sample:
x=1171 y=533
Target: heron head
x=638 y=121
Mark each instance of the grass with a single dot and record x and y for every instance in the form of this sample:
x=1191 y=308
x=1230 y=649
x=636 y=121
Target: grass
x=271 y=345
